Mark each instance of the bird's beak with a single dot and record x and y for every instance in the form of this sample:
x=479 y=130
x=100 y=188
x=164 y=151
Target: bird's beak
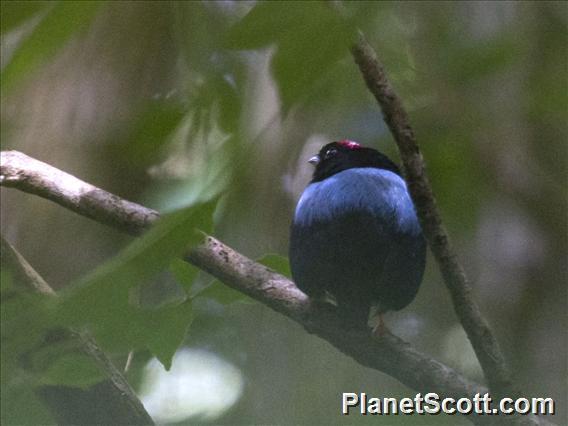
x=314 y=160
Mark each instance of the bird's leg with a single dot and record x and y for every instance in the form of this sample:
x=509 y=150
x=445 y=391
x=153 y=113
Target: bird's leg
x=380 y=329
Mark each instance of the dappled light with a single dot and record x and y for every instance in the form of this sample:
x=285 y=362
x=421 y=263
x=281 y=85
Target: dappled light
x=200 y=386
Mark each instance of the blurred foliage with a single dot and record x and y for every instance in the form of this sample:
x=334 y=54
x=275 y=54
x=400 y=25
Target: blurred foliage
x=61 y=22
x=176 y=104
x=72 y=369
x=24 y=319
x=103 y=299
x=15 y=13
x=277 y=263
x=309 y=36
x=151 y=127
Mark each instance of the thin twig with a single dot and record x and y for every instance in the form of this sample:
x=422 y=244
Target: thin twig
x=480 y=335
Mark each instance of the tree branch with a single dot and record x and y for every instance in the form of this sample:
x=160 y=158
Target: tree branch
x=480 y=335
x=121 y=403
x=390 y=354
x=64 y=189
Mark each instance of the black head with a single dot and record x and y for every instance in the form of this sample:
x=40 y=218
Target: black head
x=338 y=156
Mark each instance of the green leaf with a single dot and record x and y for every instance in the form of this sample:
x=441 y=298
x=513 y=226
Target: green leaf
x=24 y=321
x=16 y=12
x=103 y=299
x=277 y=263
x=310 y=38
x=155 y=122
x=25 y=318
x=213 y=76
x=166 y=328
x=146 y=256
x=216 y=92
x=209 y=161
x=20 y=402
x=5 y=282
x=62 y=22
x=184 y=273
x=223 y=294
x=74 y=370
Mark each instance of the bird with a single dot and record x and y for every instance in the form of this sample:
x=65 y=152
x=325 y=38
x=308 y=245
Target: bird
x=355 y=237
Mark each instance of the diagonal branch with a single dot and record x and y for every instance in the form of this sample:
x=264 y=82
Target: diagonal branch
x=64 y=189
x=390 y=354
x=121 y=403
x=480 y=335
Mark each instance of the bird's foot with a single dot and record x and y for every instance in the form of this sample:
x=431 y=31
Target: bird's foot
x=380 y=329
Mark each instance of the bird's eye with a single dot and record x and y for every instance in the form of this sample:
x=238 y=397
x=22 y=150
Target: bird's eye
x=330 y=153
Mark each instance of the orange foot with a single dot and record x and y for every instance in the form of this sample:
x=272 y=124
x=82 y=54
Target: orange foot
x=380 y=329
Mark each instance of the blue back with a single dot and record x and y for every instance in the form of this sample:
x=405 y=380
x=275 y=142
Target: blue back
x=381 y=193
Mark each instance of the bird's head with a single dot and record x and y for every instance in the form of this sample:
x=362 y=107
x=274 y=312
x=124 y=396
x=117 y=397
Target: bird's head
x=345 y=154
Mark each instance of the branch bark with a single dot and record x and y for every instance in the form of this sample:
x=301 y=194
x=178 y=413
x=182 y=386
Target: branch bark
x=389 y=354
x=478 y=331
x=68 y=191
x=121 y=403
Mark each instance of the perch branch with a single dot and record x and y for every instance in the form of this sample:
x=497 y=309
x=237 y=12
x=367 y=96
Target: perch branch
x=390 y=354
x=81 y=197
x=124 y=405
x=480 y=335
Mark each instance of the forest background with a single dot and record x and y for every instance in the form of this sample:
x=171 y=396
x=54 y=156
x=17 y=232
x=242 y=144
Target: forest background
x=165 y=103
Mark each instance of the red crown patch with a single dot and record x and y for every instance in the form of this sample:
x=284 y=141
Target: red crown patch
x=349 y=144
